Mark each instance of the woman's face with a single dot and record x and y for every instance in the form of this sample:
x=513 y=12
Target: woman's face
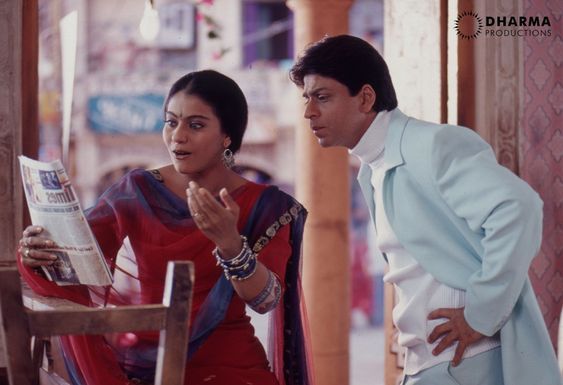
x=192 y=133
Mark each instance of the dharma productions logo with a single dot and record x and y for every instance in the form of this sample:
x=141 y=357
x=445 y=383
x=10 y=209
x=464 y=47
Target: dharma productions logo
x=468 y=25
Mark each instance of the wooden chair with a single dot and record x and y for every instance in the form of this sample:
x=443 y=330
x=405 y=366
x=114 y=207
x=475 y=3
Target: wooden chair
x=42 y=317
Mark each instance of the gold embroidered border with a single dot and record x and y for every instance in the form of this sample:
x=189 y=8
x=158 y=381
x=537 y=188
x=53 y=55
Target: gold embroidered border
x=271 y=232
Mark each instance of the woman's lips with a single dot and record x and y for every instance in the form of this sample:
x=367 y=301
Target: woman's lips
x=181 y=154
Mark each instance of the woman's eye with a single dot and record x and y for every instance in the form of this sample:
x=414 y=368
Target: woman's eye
x=196 y=125
x=171 y=123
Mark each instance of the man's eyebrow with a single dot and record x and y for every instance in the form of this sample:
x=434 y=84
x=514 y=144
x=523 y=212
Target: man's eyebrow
x=314 y=91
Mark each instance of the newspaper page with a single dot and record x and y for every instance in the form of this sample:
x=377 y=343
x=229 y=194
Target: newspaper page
x=53 y=205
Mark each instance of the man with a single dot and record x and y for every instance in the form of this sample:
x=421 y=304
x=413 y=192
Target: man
x=458 y=230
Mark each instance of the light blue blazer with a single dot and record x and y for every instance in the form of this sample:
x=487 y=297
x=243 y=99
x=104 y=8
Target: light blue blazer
x=474 y=226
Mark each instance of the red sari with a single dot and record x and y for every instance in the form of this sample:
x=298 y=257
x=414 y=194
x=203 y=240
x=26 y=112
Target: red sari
x=157 y=228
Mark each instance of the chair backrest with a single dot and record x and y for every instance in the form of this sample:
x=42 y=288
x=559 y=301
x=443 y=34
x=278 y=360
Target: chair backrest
x=47 y=317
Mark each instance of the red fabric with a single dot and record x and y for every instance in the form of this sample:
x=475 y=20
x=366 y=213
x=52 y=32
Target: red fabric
x=232 y=354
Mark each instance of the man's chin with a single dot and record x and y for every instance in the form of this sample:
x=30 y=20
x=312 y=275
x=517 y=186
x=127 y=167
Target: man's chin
x=323 y=142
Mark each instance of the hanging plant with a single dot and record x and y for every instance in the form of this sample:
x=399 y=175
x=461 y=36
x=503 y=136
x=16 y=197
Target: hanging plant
x=214 y=27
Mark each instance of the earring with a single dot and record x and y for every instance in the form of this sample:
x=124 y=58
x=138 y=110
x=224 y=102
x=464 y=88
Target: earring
x=228 y=158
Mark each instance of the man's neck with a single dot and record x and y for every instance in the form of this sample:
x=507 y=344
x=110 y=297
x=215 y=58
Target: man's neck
x=372 y=142
x=366 y=124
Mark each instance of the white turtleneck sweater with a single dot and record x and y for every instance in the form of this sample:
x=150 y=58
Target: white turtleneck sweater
x=417 y=292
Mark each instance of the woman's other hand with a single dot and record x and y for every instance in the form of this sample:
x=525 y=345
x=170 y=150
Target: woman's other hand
x=32 y=248
x=217 y=221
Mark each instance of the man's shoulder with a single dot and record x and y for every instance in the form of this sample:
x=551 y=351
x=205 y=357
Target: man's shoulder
x=423 y=133
x=424 y=128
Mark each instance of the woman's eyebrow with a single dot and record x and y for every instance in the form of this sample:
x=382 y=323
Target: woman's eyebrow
x=188 y=117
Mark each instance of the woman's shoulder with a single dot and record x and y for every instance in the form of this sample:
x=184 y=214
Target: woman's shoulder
x=129 y=183
x=154 y=173
x=258 y=189
x=134 y=174
x=142 y=176
x=123 y=181
x=273 y=195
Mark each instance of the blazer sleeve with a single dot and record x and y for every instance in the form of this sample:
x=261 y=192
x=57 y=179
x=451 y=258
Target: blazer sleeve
x=503 y=209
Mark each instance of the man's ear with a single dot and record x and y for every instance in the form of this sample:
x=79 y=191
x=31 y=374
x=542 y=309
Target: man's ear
x=367 y=98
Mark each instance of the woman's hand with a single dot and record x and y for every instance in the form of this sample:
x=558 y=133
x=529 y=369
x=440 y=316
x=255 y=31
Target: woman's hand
x=32 y=248
x=218 y=222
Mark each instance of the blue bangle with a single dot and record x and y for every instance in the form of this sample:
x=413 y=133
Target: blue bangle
x=241 y=267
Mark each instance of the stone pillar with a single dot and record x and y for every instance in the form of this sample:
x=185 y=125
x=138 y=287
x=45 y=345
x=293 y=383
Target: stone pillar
x=322 y=185
x=11 y=12
x=415 y=53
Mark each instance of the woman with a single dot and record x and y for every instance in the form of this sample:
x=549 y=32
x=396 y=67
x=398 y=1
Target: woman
x=244 y=239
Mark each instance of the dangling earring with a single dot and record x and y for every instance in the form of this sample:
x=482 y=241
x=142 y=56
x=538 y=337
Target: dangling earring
x=228 y=158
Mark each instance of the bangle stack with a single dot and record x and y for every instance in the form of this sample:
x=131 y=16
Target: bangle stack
x=241 y=267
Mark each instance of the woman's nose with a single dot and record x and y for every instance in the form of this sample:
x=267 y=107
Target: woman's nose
x=179 y=135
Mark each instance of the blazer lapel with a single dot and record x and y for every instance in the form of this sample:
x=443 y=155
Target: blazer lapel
x=393 y=158
x=397 y=124
x=364 y=179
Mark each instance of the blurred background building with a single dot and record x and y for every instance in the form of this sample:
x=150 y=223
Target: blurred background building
x=121 y=78
x=104 y=68
x=128 y=53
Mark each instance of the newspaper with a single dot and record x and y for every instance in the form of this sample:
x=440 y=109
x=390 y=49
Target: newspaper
x=53 y=205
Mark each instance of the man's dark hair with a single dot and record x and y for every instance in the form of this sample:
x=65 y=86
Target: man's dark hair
x=223 y=95
x=350 y=61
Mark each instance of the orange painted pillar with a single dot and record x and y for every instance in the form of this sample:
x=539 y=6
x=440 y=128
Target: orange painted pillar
x=322 y=185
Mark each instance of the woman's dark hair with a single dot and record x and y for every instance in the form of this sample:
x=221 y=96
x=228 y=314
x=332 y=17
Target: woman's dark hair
x=350 y=61
x=223 y=95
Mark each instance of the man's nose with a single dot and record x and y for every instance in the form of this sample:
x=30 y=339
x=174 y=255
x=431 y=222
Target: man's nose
x=311 y=111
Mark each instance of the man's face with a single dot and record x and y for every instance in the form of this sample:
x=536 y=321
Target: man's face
x=336 y=117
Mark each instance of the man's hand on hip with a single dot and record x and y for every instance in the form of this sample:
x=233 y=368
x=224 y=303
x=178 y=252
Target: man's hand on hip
x=454 y=329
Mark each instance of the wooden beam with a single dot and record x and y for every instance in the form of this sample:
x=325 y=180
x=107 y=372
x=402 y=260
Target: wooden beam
x=97 y=320
x=173 y=343
x=30 y=78
x=30 y=86
x=48 y=316
x=444 y=61
x=10 y=137
x=466 y=111
x=17 y=336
